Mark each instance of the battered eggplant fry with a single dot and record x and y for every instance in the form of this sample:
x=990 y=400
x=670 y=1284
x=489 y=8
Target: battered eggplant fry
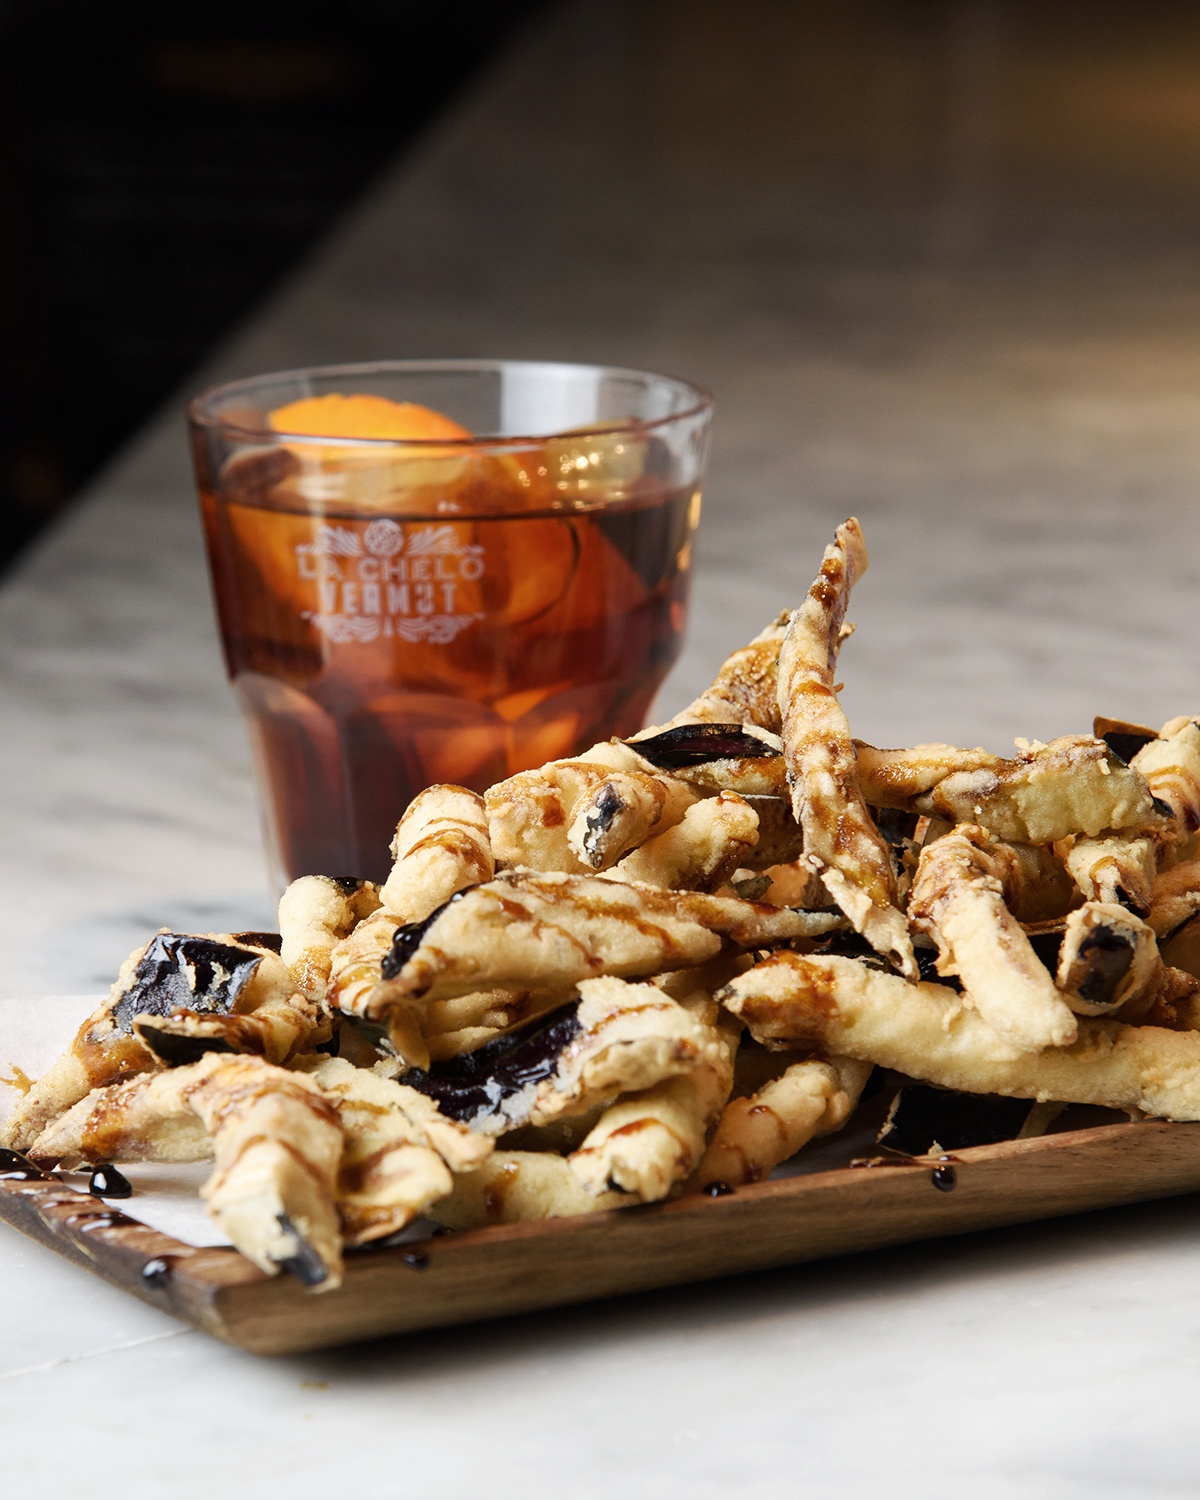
x=698 y=854
x=810 y=1098
x=1109 y=963
x=582 y=815
x=649 y=1142
x=958 y=899
x=1175 y=899
x=745 y=690
x=1073 y=785
x=1171 y=766
x=175 y=975
x=276 y=1141
x=1115 y=868
x=315 y=913
x=270 y=1018
x=513 y=1187
x=551 y=931
x=441 y=846
x=925 y=1030
x=616 y=1038
x=841 y=843
x=399 y=1149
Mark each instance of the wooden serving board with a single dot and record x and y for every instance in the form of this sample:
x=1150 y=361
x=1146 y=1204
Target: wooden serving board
x=485 y=1273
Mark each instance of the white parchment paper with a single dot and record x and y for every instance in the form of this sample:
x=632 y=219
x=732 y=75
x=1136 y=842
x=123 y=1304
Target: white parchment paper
x=34 y=1030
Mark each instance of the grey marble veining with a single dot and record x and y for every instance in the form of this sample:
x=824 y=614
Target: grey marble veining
x=1018 y=428
x=1002 y=378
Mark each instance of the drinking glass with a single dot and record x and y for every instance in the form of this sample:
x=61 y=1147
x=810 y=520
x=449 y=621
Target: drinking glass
x=399 y=612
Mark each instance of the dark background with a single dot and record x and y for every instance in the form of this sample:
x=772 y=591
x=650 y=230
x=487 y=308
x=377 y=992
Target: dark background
x=162 y=163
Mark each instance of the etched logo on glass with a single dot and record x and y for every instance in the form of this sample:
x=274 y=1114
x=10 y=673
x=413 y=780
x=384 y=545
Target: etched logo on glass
x=388 y=580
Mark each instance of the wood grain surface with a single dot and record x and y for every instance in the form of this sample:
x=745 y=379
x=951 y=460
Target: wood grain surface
x=485 y=1273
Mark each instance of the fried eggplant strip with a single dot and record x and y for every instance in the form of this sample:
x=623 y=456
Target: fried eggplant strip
x=1171 y=767
x=649 y=1142
x=174 y=974
x=1109 y=963
x=584 y=814
x=514 y=1187
x=1175 y=899
x=276 y=1141
x=698 y=854
x=392 y=1168
x=819 y=1001
x=958 y=899
x=270 y=1018
x=1112 y=867
x=626 y=810
x=315 y=913
x=441 y=845
x=841 y=842
x=1048 y=792
x=551 y=931
x=616 y=1038
x=810 y=1098
x=745 y=689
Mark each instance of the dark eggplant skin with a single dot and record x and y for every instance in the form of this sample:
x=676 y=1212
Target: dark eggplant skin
x=306 y=1265
x=270 y=940
x=408 y=938
x=180 y=971
x=1125 y=745
x=922 y=1116
x=1109 y=956
x=693 y=744
x=175 y=1050
x=477 y=1083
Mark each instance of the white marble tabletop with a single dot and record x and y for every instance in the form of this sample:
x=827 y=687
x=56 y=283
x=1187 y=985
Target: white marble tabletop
x=1003 y=381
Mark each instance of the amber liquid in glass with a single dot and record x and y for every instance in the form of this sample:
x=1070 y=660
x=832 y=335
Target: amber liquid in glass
x=374 y=654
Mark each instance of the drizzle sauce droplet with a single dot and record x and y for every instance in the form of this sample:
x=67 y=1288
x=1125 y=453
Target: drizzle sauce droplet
x=157 y=1272
x=18 y=1168
x=717 y=1190
x=107 y=1182
x=944 y=1178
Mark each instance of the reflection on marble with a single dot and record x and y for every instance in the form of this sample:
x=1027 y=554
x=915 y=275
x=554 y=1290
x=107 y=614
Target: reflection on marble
x=939 y=265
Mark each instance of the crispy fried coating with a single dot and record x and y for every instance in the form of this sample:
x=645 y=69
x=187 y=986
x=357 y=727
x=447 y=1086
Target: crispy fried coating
x=1175 y=899
x=626 y=810
x=584 y=814
x=1114 y=867
x=1048 y=792
x=841 y=842
x=925 y=1030
x=1108 y=964
x=356 y=988
x=514 y=1187
x=958 y=899
x=441 y=845
x=315 y=913
x=809 y=1098
x=551 y=931
x=698 y=854
x=1171 y=767
x=745 y=690
x=649 y=1142
x=391 y=1168
x=276 y=1141
x=277 y=1145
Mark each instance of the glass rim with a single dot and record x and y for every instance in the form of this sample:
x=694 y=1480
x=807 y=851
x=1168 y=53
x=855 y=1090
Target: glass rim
x=199 y=409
